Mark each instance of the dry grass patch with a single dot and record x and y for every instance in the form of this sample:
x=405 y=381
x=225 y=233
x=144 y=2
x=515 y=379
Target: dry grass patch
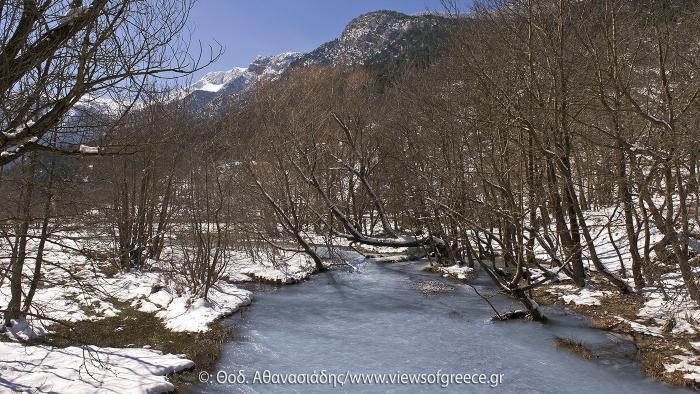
x=132 y=328
x=574 y=347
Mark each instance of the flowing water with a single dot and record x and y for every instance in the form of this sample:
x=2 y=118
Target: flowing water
x=375 y=319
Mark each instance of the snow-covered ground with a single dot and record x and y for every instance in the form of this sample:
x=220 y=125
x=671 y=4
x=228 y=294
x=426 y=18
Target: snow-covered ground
x=185 y=313
x=585 y=296
x=77 y=288
x=281 y=268
x=688 y=362
x=90 y=369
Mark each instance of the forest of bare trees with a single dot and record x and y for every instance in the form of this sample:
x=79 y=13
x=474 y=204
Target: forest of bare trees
x=492 y=152
x=535 y=114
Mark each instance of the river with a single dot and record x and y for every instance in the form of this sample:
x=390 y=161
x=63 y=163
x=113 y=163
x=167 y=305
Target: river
x=375 y=319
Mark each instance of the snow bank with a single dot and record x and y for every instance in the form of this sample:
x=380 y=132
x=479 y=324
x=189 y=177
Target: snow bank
x=23 y=330
x=455 y=271
x=285 y=268
x=194 y=315
x=77 y=370
x=149 y=292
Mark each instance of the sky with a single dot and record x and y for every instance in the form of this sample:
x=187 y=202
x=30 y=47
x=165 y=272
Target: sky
x=247 y=28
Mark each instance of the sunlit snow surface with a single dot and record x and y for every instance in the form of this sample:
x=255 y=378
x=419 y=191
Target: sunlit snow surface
x=84 y=370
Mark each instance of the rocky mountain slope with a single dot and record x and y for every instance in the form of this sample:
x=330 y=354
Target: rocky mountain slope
x=376 y=37
x=216 y=89
x=370 y=39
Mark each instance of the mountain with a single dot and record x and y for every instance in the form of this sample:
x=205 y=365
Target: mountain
x=88 y=119
x=216 y=89
x=377 y=37
x=370 y=39
x=214 y=81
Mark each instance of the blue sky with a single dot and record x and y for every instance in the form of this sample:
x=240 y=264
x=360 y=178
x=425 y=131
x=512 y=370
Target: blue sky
x=247 y=28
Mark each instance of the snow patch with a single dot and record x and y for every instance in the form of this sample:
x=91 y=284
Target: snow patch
x=89 y=150
x=585 y=296
x=89 y=369
x=195 y=315
x=642 y=329
x=687 y=364
x=285 y=268
x=455 y=271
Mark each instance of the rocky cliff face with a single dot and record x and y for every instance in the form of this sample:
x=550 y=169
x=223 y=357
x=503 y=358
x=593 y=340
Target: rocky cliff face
x=374 y=38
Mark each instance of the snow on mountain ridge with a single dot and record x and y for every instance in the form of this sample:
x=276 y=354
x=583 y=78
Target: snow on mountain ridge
x=213 y=90
x=369 y=39
x=214 y=81
x=273 y=65
x=261 y=66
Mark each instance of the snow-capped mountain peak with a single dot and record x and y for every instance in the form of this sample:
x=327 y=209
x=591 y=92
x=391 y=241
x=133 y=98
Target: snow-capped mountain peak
x=273 y=65
x=215 y=89
x=215 y=81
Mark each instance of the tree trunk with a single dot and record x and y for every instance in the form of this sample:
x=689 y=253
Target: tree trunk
x=42 y=240
x=628 y=207
x=17 y=264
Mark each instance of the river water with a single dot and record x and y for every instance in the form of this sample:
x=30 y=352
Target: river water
x=375 y=319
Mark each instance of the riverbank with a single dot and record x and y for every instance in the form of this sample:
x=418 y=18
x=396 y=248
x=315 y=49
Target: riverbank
x=664 y=330
x=662 y=322
x=118 y=320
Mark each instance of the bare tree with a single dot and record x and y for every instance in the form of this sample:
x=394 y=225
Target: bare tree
x=56 y=53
